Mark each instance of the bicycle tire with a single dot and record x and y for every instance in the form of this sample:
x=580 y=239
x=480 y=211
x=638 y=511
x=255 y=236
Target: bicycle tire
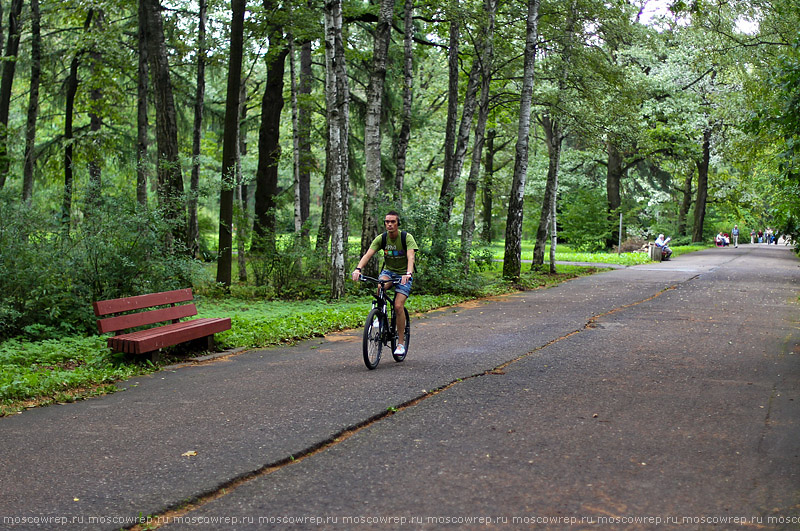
x=373 y=339
x=406 y=338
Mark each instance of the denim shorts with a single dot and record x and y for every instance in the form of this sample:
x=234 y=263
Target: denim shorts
x=405 y=289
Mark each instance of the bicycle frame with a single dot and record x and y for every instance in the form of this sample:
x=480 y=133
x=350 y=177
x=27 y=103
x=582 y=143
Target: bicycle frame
x=386 y=333
x=382 y=297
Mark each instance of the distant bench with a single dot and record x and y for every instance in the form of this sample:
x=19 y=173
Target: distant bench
x=124 y=315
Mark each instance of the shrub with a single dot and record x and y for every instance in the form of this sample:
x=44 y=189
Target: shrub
x=632 y=244
x=49 y=277
x=584 y=222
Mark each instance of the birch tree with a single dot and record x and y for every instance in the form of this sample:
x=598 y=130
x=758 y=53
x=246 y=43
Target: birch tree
x=372 y=127
x=512 y=258
x=408 y=86
x=440 y=244
x=197 y=130
x=337 y=99
x=554 y=137
x=485 y=60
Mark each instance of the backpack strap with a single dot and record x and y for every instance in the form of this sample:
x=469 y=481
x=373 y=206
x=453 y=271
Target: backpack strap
x=403 y=235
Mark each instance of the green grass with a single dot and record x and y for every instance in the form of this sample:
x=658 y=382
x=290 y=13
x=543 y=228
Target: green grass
x=62 y=370
x=34 y=373
x=566 y=254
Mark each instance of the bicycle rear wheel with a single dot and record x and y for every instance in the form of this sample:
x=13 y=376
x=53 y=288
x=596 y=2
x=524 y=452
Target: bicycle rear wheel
x=406 y=339
x=373 y=339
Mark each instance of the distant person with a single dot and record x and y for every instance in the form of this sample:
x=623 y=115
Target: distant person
x=735 y=235
x=752 y=235
x=661 y=243
x=760 y=236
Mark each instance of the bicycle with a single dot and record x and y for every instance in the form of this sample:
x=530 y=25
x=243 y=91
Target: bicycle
x=381 y=326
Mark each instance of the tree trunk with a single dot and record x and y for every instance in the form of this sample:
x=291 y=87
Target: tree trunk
x=554 y=139
x=6 y=81
x=337 y=100
x=512 y=258
x=242 y=218
x=450 y=184
x=487 y=188
x=269 y=148
x=95 y=123
x=450 y=133
x=168 y=168
x=614 y=174
x=470 y=193
x=408 y=85
x=554 y=223
x=69 y=109
x=298 y=222
x=702 y=188
x=230 y=144
x=372 y=125
x=142 y=173
x=197 y=132
x=304 y=114
x=33 y=103
x=324 y=231
x=686 y=203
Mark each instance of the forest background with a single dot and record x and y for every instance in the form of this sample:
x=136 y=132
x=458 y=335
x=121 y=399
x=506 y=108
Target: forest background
x=253 y=147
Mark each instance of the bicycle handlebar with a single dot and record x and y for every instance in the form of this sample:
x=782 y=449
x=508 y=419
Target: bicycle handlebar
x=365 y=278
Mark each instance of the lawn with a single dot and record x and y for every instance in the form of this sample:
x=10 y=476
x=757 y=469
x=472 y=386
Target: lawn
x=35 y=373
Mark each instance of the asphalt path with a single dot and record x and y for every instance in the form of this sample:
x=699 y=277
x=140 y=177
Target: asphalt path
x=658 y=396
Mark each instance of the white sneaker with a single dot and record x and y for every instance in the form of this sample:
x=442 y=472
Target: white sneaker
x=400 y=350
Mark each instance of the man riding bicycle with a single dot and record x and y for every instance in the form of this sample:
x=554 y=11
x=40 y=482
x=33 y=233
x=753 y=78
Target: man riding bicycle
x=398 y=251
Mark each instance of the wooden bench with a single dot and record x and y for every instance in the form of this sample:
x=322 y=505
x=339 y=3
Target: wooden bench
x=118 y=315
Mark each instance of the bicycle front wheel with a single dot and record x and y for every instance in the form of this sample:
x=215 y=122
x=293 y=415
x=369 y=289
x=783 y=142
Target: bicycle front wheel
x=373 y=339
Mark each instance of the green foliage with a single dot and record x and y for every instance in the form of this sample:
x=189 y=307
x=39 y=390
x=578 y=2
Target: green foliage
x=54 y=369
x=259 y=323
x=50 y=278
x=287 y=269
x=584 y=221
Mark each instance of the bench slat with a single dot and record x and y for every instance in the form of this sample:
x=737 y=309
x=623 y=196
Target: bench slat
x=155 y=338
x=133 y=320
x=142 y=301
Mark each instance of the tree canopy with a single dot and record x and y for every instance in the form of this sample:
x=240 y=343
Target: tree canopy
x=281 y=131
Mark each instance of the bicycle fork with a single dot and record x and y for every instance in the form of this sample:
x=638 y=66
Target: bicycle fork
x=387 y=325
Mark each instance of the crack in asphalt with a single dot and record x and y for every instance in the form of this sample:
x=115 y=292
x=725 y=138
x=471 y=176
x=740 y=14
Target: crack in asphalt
x=180 y=509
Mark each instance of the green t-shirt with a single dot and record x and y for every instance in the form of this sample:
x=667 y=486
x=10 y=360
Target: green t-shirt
x=395 y=258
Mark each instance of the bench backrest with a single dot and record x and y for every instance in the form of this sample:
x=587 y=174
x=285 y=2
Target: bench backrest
x=125 y=321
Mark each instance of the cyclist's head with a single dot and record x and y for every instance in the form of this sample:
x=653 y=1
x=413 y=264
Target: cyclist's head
x=392 y=218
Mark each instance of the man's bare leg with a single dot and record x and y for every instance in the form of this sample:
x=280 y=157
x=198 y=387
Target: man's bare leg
x=399 y=305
